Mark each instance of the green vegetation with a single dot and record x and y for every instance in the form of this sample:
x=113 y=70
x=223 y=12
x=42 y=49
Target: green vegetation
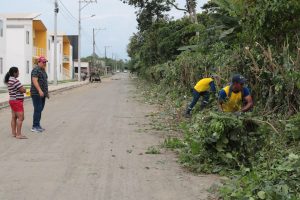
x=260 y=151
x=153 y=150
x=109 y=62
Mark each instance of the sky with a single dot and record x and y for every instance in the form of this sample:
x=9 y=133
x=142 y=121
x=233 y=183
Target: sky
x=118 y=20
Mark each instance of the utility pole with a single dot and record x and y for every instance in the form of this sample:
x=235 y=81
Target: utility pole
x=94 y=40
x=116 y=64
x=94 y=46
x=105 y=47
x=56 y=9
x=94 y=52
x=79 y=43
x=112 y=62
x=87 y=2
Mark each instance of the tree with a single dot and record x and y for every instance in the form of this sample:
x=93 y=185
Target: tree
x=149 y=12
x=163 y=6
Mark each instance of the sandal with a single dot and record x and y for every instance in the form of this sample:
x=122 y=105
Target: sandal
x=21 y=137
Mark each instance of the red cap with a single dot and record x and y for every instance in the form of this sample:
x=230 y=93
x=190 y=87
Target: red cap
x=42 y=59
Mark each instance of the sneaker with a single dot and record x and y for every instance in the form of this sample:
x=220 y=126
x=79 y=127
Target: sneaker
x=41 y=128
x=36 y=130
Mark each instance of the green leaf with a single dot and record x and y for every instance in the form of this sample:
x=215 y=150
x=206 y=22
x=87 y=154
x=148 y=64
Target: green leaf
x=227 y=32
x=229 y=155
x=220 y=147
x=225 y=140
x=261 y=195
x=188 y=48
x=293 y=157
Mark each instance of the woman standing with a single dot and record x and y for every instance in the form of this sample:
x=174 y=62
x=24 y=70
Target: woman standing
x=16 y=98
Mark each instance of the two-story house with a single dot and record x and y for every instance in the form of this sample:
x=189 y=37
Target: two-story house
x=26 y=40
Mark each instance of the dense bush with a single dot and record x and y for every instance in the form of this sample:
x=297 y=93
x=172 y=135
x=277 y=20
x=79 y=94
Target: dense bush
x=262 y=164
x=222 y=141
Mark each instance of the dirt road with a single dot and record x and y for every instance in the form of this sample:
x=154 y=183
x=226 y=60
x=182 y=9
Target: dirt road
x=92 y=150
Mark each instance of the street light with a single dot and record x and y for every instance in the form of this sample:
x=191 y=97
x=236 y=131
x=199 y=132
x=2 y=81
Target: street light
x=88 y=17
x=79 y=32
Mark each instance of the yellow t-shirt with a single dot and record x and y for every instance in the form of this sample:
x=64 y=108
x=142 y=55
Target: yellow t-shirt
x=234 y=103
x=203 y=85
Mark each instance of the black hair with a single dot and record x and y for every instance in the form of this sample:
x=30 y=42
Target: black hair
x=10 y=73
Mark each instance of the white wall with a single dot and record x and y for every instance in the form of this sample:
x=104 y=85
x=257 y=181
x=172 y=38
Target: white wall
x=83 y=64
x=28 y=54
x=84 y=67
x=71 y=62
x=3 y=52
x=60 y=57
x=18 y=52
x=50 y=65
x=59 y=62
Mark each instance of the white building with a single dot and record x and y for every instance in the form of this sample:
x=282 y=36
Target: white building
x=26 y=40
x=3 y=68
x=84 y=68
x=64 y=58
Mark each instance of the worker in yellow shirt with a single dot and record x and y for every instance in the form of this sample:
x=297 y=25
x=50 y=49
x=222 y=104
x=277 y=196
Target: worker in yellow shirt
x=235 y=97
x=202 y=89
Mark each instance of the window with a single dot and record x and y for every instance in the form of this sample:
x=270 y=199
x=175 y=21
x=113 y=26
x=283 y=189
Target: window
x=27 y=67
x=1 y=65
x=60 y=68
x=27 y=37
x=49 y=68
x=1 y=28
x=60 y=48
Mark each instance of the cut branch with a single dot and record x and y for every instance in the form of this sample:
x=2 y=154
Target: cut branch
x=271 y=125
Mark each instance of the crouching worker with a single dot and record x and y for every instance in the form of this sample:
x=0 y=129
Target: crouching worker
x=235 y=98
x=202 y=89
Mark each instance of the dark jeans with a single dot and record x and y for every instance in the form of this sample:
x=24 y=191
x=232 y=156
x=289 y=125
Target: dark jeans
x=38 y=104
x=196 y=97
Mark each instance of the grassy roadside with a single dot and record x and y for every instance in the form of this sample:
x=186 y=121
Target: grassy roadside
x=261 y=159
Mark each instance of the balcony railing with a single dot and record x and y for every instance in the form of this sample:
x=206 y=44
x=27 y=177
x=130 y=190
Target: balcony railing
x=37 y=52
x=66 y=59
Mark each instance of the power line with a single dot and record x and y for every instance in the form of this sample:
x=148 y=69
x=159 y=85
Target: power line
x=68 y=10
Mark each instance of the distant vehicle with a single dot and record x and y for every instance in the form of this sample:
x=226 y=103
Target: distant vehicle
x=125 y=71
x=94 y=77
x=118 y=71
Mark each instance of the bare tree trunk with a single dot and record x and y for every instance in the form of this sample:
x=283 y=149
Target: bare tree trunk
x=191 y=7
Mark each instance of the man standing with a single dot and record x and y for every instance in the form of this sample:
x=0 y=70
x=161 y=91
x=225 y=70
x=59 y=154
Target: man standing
x=235 y=97
x=202 y=89
x=39 y=92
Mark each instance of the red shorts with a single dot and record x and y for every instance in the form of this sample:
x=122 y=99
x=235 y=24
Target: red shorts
x=16 y=105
